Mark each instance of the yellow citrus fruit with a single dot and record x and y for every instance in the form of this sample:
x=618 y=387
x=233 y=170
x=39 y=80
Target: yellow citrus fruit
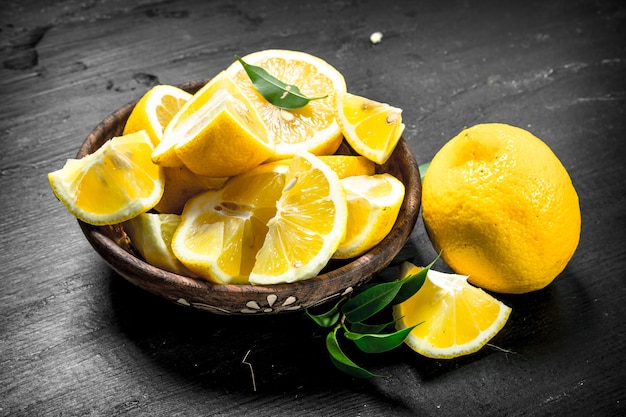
x=309 y=224
x=456 y=318
x=373 y=129
x=311 y=128
x=115 y=183
x=151 y=235
x=343 y=165
x=154 y=111
x=349 y=165
x=180 y=185
x=501 y=208
x=275 y=223
x=222 y=230
x=217 y=133
x=373 y=205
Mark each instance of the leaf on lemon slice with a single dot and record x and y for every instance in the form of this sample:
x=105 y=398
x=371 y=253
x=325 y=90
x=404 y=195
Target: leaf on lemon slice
x=280 y=94
x=311 y=128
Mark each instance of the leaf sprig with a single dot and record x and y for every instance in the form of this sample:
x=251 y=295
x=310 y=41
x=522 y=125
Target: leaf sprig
x=348 y=318
x=280 y=94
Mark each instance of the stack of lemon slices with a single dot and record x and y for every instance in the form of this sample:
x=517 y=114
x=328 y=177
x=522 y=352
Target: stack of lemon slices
x=226 y=186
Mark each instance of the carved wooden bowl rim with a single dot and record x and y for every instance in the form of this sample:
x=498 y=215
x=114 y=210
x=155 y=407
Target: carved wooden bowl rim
x=338 y=278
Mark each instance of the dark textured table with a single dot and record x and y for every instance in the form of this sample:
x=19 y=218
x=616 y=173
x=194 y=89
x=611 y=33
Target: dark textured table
x=76 y=339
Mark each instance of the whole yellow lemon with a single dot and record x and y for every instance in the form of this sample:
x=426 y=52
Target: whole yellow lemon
x=500 y=207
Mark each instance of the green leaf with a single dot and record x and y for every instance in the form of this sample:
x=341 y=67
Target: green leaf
x=341 y=361
x=423 y=168
x=371 y=301
x=363 y=287
x=360 y=327
x=412 y=283
x=327 y=319
x=378 y=343
x=280 y=94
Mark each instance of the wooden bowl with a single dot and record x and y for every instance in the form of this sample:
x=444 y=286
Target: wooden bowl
x=336 y=279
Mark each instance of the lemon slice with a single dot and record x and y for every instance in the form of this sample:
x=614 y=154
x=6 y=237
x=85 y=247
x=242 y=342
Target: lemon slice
x=343 y=165
x=311 y=128
x=217 y=133
x=180 y=185
x=151 y=235
x=115 y=183
x=276 y=223
x=349 y=165
x=309 y=224
x=154 y=111
x=222 y=231
x=457 y=318
x=373 y=205
x=373 y=129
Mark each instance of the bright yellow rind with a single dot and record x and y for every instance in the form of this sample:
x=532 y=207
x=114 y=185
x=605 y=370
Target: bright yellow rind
x=456 y=318
x=115 y=183
x=232 y=142
x=349 y=165
x=219 y=123
x=501 y=207
x=374 y=202
x=373 y=129
x=154 y=111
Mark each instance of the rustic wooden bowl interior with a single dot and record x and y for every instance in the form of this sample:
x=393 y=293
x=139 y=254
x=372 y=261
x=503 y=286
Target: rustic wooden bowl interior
x=338 y=278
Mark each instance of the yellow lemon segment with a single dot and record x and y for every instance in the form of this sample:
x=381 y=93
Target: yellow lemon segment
x=349 y=165
x=373 y=205
x=154 y=111
x=343 y=165
x=456 y=318
x=113 y=184
x=180 y=185
x=217 y=133
x=309 y=224
x=222 y=231
x=373 y=129
x=151 y=235
x=501 y=208
x=311 y=128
